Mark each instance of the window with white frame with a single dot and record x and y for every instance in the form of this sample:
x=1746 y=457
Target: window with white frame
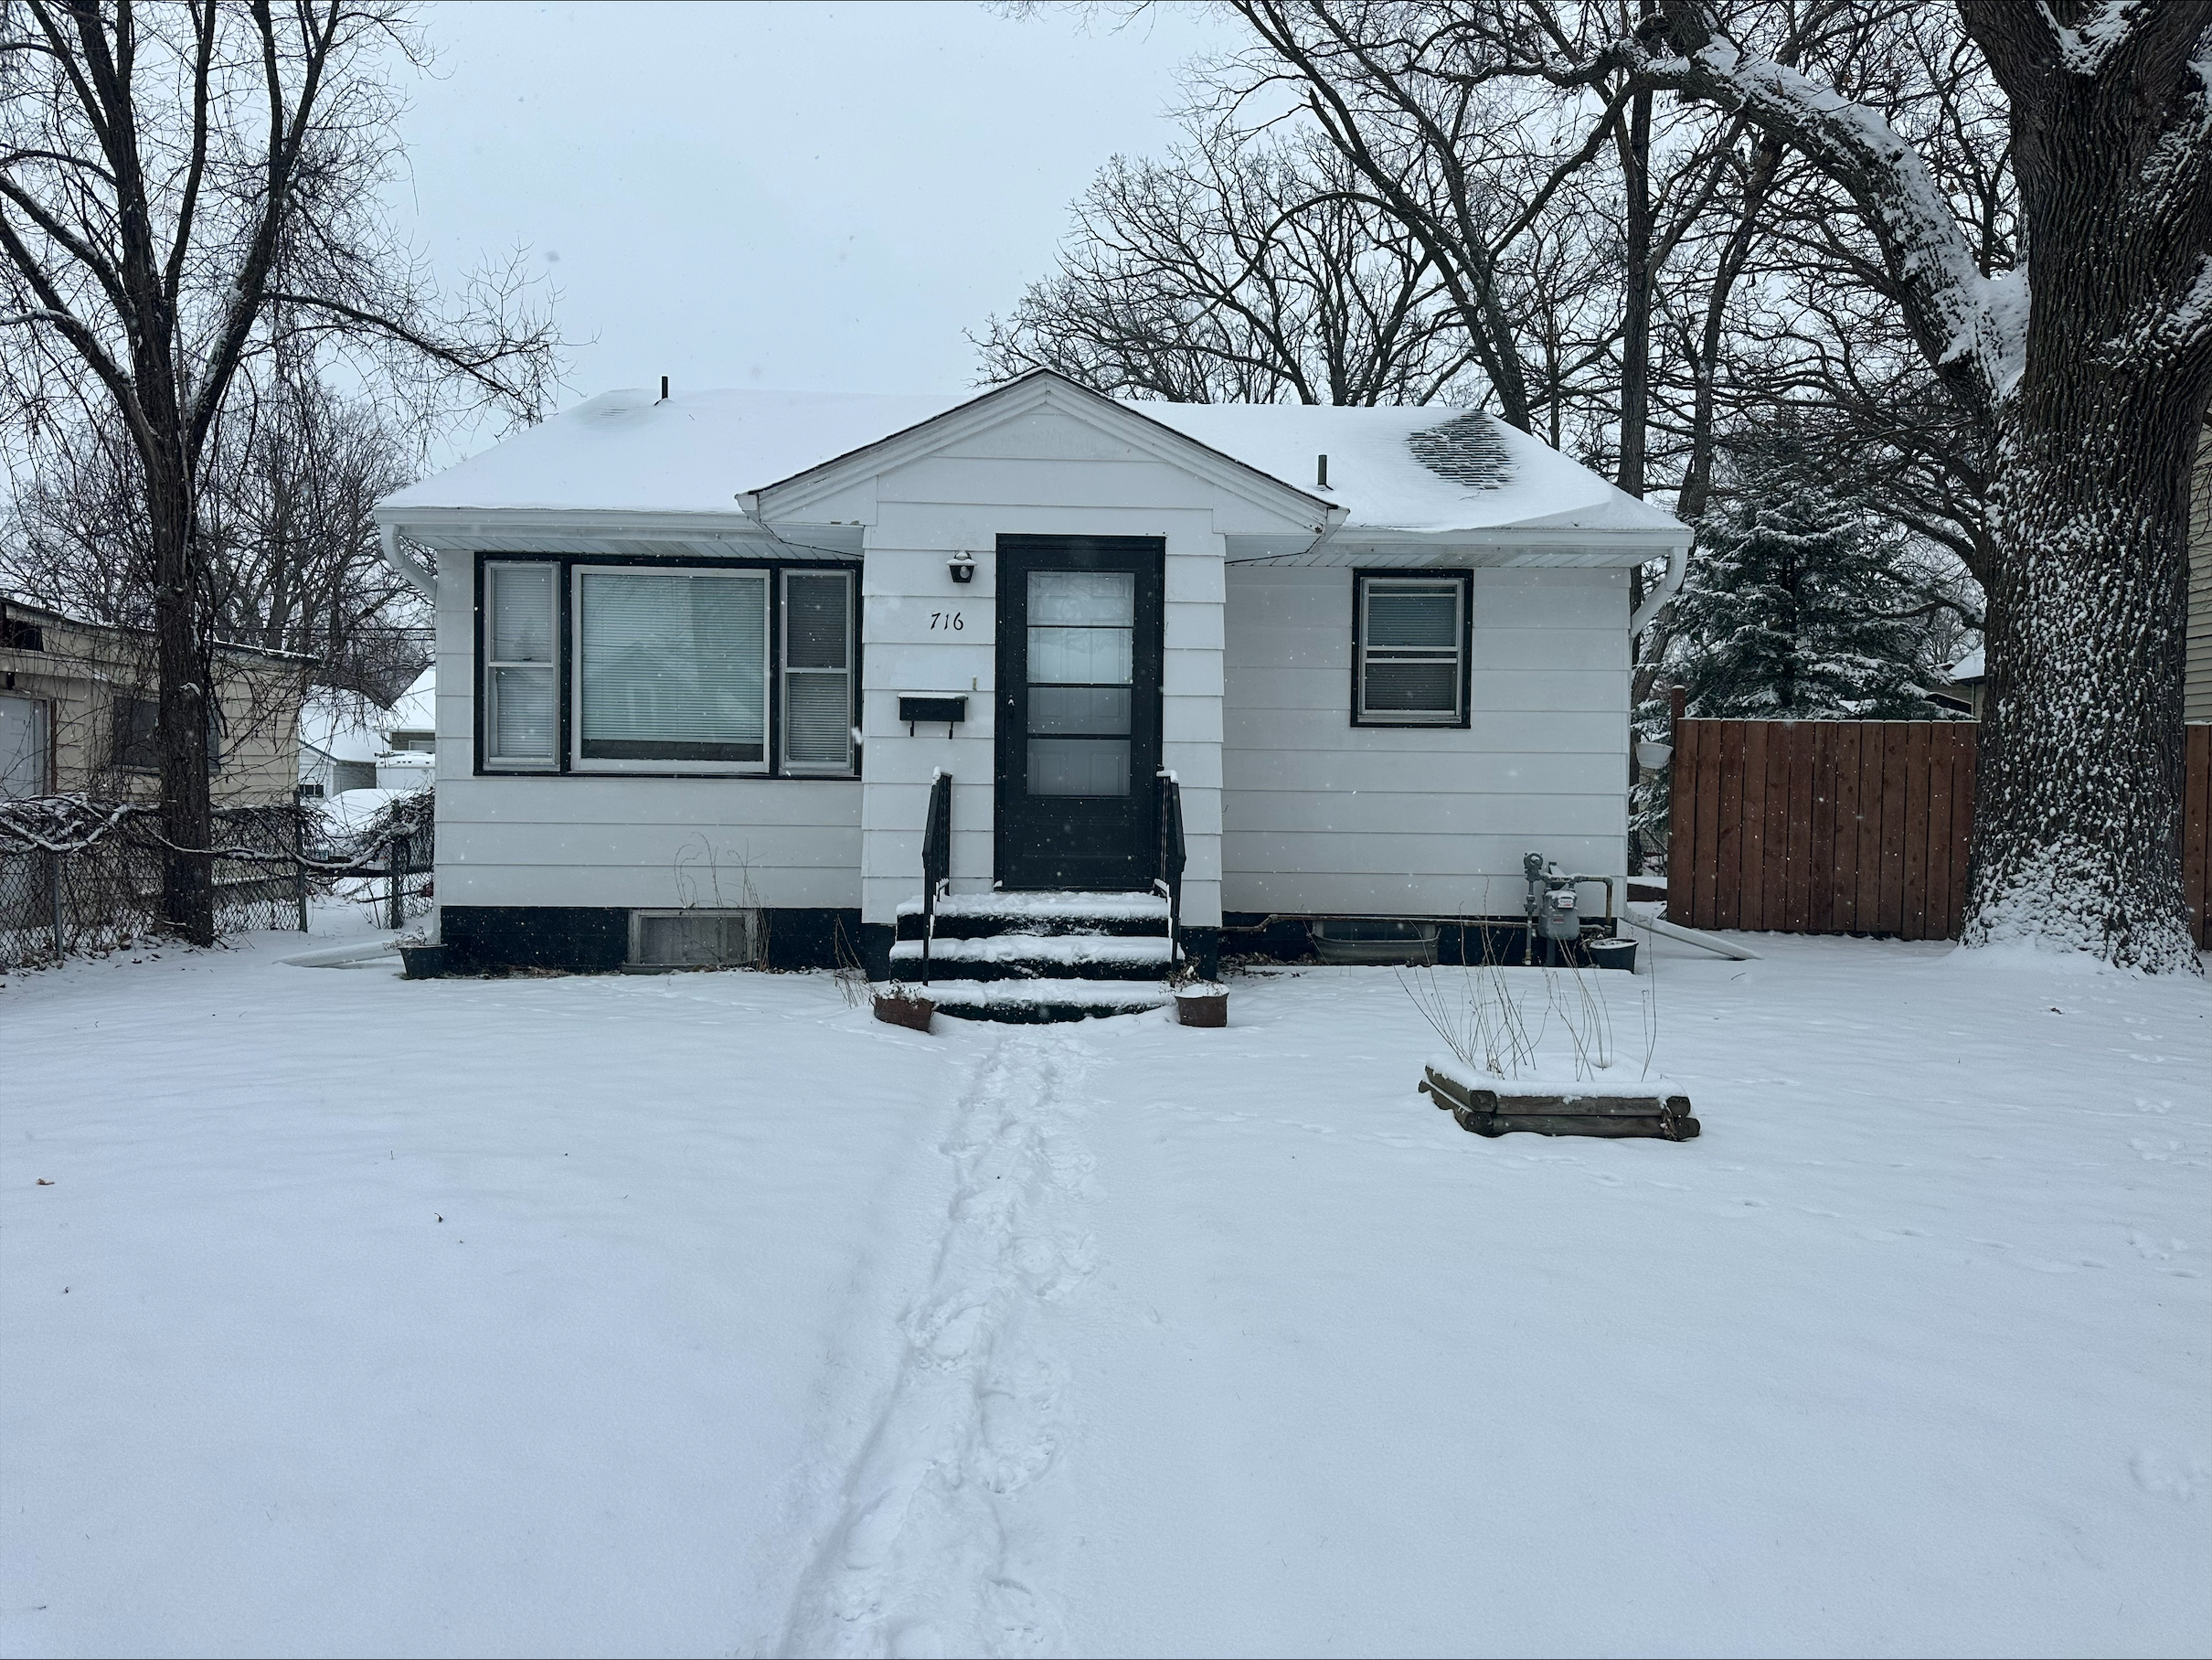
x=668 y=669
x=1410 y=650
x=817 y=671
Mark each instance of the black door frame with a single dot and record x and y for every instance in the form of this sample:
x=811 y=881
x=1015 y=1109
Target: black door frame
x=1012 y=863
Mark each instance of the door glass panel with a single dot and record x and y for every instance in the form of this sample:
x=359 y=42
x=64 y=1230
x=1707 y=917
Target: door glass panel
x=1081 y=657
x=1082 y=642
x=1106 y=599
x=1099 y=710
x=1078 y=766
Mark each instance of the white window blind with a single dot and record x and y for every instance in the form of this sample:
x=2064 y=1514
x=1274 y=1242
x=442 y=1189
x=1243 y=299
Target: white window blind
x=817 y=671
x=672 y=667
x=521 y=698
x=1411 y=644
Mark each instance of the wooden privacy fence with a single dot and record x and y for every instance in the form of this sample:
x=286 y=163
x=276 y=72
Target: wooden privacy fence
x=1852 y=826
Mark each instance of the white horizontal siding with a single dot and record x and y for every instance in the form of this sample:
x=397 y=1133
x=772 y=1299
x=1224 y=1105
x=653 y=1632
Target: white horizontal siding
x=648 y=841
x=1321 y=817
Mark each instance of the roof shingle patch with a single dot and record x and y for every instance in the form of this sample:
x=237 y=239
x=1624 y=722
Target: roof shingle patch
x=1466 y=451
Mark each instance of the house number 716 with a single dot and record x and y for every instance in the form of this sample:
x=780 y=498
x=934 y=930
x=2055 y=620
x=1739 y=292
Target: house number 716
x=947 y=619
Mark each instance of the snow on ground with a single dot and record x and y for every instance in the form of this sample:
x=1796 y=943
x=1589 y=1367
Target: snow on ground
x=704 y=1314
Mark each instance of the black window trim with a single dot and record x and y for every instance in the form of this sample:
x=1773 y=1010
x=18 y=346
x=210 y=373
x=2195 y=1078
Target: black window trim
x=565 y=652
x=1465 y=577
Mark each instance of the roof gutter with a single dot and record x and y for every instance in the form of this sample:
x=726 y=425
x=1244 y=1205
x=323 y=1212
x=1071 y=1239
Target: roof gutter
x=407 y=564
x=1677 y=566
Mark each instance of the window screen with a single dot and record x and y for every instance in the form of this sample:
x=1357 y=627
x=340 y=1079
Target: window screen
x=817 y=671
x=521 y=701
x=672 y=667
x=1412 y=635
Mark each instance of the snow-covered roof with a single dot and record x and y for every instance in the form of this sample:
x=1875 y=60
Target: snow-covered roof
x=1430 y=470
x=343 y=726
x=416 y=708
x=1966 y=669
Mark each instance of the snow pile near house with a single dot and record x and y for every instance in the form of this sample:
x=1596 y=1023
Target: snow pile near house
x=706 y=1314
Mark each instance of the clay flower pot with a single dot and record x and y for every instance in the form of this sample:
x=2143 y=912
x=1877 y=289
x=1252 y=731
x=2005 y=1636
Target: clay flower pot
x=901 y=1009
x=1203 y=1003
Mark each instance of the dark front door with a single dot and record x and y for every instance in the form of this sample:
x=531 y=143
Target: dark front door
x=1079 y=710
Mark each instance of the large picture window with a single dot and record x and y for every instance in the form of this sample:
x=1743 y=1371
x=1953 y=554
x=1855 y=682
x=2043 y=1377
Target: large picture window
x=1409 y=657
x=602 y=667
x=671 y=667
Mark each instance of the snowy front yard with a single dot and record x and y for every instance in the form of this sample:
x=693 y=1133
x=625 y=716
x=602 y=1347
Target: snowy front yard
x=703 y=1314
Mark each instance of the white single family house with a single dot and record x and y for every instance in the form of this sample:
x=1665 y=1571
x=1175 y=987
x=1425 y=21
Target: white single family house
x=710 y=666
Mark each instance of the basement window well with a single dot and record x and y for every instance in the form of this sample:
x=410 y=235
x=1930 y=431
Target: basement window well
x=663 y=941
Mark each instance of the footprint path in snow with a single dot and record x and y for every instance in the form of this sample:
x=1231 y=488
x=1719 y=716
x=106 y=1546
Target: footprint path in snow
x=934 y=1550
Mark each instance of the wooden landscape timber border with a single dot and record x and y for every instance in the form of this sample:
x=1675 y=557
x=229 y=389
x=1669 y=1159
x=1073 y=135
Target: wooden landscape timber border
x=1614 y=1117
x=1852 y=827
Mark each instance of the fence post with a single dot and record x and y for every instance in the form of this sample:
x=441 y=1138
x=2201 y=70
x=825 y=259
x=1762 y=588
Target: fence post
x=54 y=898
x=395 y=860
x=299 y=861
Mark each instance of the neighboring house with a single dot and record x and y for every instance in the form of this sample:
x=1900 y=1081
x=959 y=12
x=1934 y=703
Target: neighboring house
x=1965 y=677
x=700 y=658
x=341 y=736
x=79 y=701
x=408 y=758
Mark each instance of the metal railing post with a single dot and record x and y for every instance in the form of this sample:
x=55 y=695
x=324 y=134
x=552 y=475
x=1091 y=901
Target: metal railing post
x=936 y=858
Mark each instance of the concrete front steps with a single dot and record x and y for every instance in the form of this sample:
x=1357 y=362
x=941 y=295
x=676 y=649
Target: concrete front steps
x=1036 y=957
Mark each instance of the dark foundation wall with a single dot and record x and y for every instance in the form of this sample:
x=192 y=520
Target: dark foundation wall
x=487 y=939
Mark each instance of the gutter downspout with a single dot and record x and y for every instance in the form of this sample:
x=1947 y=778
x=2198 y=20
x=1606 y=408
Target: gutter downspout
x=1677 y=565
x=406 y=564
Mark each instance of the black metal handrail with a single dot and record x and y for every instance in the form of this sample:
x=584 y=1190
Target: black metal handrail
x=936 y=859
x=1173 y=858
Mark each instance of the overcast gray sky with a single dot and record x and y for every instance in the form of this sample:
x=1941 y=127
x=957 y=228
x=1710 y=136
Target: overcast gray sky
x=811 y=195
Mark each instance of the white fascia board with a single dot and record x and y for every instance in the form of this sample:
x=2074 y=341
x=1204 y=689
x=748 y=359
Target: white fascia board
x=474 y=530
x=1504 y=546
x=789 y=499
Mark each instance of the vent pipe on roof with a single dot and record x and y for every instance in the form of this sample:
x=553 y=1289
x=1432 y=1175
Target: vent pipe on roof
x=1321 y=472
x=664 y=389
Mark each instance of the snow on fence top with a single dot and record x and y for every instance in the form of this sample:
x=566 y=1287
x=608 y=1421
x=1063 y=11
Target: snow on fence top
x=1428 y=470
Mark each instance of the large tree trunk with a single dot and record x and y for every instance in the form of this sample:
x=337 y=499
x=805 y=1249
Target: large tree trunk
x=2078 y=795
x=182 y=660
x=2076 y=840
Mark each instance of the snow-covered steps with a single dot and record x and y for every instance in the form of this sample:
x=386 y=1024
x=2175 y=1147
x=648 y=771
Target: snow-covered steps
x=1034 y=1002
x=1038 y=956
x=1004 y=956
x=978 y=915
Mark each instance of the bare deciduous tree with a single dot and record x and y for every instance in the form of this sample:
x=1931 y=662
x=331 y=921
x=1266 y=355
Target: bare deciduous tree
x=182 y=189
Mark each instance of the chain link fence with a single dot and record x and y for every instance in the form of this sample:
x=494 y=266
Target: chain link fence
x=79 y=876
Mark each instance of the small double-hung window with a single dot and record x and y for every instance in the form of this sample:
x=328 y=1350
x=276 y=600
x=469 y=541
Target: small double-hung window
x=1409 y=651
x=521 y=694
x=683 y=669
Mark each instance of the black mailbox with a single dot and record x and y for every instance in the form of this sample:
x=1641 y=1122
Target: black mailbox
x=947 y=709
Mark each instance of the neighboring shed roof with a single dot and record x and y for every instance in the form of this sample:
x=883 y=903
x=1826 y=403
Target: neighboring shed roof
x=416 y=708
x=1430 y=470
x=342 y=725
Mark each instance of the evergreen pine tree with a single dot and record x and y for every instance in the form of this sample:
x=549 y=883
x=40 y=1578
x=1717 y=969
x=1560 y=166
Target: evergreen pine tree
x=1797 y=605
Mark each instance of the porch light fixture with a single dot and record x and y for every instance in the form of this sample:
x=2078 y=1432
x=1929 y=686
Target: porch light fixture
x=962 y=567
